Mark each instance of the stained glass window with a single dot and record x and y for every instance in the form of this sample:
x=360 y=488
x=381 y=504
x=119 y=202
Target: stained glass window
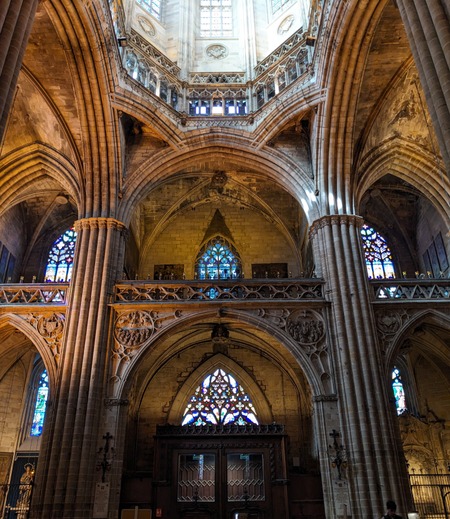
x=216 y=18
x=218 y=259
x=399 y=393
x=60 y=259
x=219 y=400
x=40 y=405
x=152 y=6
x=377 y=254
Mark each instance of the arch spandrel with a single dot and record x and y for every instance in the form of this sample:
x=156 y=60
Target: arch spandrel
x=45 y=346
x=395 y=327
x=301 y=333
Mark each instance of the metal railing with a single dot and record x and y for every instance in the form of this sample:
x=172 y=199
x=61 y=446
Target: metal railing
x=431 y=493
x=15 y=500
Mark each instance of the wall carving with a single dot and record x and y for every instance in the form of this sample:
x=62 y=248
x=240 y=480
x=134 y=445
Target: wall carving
x=216 y=51
x=50 y=328
x=132 y=329
x=286 y=24
x=146 y=26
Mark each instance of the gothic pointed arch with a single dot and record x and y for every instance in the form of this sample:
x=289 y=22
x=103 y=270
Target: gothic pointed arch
x=229 y=366
x=218 y=259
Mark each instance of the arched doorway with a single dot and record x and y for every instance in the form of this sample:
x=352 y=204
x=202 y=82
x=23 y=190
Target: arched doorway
x=24 y=387
x=221 y=426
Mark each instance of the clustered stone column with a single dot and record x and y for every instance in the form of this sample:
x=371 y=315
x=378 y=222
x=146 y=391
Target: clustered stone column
x=376 y=470
x=427 y=24
x=65 y=480
x=16 y=19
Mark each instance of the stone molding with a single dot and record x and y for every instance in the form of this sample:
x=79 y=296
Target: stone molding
x=98 y=223
x=335 y=219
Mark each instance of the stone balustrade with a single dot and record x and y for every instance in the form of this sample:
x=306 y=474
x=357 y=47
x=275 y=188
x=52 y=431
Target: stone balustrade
x=34 y=293
x=203 y=291
x=400 y=290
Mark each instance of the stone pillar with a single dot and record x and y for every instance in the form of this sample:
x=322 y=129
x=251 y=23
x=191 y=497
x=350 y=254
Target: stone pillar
x=375 y=465
x=427 y=24
x=68 y=468
x=16 y=19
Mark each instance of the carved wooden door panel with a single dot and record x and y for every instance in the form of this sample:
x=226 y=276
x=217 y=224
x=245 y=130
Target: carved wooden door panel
x=221 y=476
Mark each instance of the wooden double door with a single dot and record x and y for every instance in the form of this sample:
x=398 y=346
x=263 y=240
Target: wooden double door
x=220 y=475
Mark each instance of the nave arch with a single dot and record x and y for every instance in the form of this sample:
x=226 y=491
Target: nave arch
x=417 y=343
x=28 y=346
x=280 y=375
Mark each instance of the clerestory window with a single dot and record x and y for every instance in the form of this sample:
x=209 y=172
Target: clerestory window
x=377 y=254
x=216 y=18
x=60 y=258
x=153 y=7
x=218 y=259
x=219 y=400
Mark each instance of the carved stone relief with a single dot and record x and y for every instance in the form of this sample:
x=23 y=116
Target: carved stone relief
x=307 y=328
x=132 y=330
x=286 y=24
x=51 y=328
x=216 y=51
x=389 y=324
x=146 y=26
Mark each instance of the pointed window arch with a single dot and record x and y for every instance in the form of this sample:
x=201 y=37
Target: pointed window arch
x=219 y=399
x=399 y=391
x=40 y=406
x=218 y=259
x=216 y=18
x=153 y=7
x=377 y=254
x=60 y=258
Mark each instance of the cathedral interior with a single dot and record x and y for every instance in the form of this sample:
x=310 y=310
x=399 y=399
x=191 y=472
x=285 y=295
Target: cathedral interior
x=224 y=259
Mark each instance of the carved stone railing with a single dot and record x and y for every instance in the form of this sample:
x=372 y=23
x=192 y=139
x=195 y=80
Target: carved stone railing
x=215 y=430
x=281 y=51
x=149 y=67
x=34 y=294
x=411 y=290
x=203 y=291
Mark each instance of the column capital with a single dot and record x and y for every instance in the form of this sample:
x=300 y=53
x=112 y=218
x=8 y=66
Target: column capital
x=335 y=219
x=99 y=223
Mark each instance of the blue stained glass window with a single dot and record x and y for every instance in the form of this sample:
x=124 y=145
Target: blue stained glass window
x=377 y=254
x=399 y=392
x=40 y=405
x=218 y=259
x=219 y=400
x=60 y=259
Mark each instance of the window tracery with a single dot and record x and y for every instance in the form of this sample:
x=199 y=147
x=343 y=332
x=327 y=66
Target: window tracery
x=377 y=254
x=153 y=7
x=60 y=258
x=216 y=18
x=220 y=399
x=218 y=259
